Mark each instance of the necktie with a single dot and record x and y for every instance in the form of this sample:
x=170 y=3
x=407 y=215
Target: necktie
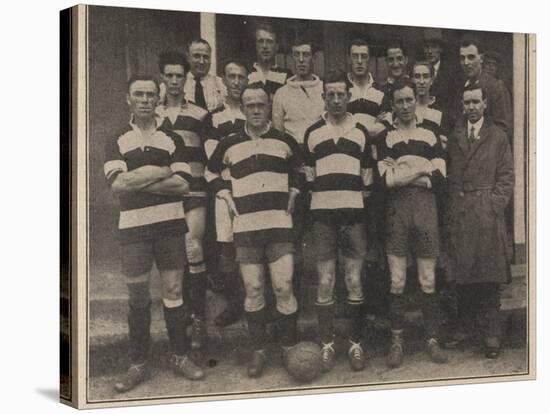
x=199 y=93
x=472 y=137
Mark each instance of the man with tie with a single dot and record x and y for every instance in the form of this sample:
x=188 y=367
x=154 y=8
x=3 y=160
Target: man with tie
x=499 y=107
x=201 y=87
x=481 y=181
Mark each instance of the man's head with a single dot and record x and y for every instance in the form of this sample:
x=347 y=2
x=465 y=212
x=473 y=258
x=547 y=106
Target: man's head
x=404 y=100
x=255 y=106
x=422 y=76
x=433 y=45
x=235 y=78
x=266 y=44
x=359 y=58
x=470 y=57
x=173 y=68
x=475 y=102
x=302 y=53
x=491 y=63
x=336 y=93
x=199 y=53
x=396 y=59
x=143 y=96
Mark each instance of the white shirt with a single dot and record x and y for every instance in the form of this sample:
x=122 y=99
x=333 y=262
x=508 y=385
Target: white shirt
x=436 y=68
x=477 y=127
x=213 y=87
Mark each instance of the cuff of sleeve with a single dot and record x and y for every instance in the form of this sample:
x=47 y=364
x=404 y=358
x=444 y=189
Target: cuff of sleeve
x=294 y=190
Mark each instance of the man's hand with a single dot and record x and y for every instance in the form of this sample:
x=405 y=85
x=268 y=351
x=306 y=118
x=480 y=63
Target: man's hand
x=291 y=201
x=228 y=198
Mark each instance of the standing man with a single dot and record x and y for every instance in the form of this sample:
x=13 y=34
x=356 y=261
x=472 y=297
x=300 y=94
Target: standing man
x=265 y=70
x=499 y=107
x=147 y=167
x=192 y=124
x=226 y=121
x=443 y=87
x=365 y=104
x=202 y=88
x=366 y=99
x=481 y=181
x=411 y=167
x=299 y=103
x=339 y=170
x=264 y=168
x=396 y=60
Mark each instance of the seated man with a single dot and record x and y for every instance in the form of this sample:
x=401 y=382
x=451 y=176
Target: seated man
x=339 y=169
x=264 y=181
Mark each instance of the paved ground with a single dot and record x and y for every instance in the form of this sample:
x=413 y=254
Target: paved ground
x=229 y=374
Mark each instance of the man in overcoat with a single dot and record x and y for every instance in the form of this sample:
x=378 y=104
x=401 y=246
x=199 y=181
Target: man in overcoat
x=481 y=180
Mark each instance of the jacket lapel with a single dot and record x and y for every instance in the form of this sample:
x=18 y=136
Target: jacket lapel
x=462 y=138
x=479 y=142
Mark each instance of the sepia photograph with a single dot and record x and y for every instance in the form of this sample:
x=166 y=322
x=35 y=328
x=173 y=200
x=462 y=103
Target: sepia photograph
x=265 y=206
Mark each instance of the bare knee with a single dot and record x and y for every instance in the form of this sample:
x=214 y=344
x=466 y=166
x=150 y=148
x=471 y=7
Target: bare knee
x=355 y=288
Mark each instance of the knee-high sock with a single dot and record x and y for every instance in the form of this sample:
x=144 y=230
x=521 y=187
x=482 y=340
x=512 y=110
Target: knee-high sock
x=398 y=306
x=175 y=325
x=325 y=316
x=287 y=329
x=256 y=328
x=139 y=326
x=197 y=292
x=431 y=314
x=355 y=311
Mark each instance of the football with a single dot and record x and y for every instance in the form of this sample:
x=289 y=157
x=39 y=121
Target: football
x=304 y=361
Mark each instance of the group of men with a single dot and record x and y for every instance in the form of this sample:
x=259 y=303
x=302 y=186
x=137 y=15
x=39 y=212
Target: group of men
x=374 y=171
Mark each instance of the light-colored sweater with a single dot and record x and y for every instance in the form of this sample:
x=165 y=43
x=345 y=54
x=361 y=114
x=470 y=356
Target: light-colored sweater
x=297 y=106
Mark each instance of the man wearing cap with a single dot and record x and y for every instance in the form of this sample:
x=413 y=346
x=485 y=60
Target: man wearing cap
x=202 y=88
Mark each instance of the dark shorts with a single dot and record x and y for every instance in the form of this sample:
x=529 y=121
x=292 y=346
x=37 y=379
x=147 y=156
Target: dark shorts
x=168 y=252
x=190 y=203
x=269 y=252
x=329 y=237
x=412 y=223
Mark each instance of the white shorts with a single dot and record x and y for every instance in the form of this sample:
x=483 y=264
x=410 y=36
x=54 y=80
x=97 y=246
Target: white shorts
x=224 y=224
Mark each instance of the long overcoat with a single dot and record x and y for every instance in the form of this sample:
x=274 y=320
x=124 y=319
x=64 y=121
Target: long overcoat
x=481 y=181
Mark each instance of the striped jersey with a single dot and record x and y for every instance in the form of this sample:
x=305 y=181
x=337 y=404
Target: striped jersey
x=193 y=124
x=365 y=103
x=272 y=80
x=339 y=169
x=145 y=215
x=225 y=121
x=412 y=150
x=430 y=117
x=262 y=172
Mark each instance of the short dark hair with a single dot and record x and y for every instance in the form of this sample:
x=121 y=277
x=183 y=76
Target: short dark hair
x=235 y=61
x=142 y=77
x=303 y=40
x=475 y=87
x=199 y=40
x=171 y=57
x=253 y=87
x=336 y=76
x=395 y=44
x=266 y=27
x=402 y=83
x=424 y=63
x=358 y=42
x=470 y=40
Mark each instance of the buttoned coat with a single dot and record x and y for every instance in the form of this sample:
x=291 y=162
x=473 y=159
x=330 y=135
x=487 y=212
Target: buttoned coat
x=481 y=181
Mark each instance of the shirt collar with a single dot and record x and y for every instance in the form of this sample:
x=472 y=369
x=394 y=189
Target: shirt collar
x=436 y=67
x=477 y=127
x=370 y=80
x=134 y=126
x=256 y=66
x=247 y=132
x=346 y=125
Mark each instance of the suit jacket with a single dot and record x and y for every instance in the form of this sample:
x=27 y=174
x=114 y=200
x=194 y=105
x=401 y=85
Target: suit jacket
x=481 y=181
x=499 y=106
